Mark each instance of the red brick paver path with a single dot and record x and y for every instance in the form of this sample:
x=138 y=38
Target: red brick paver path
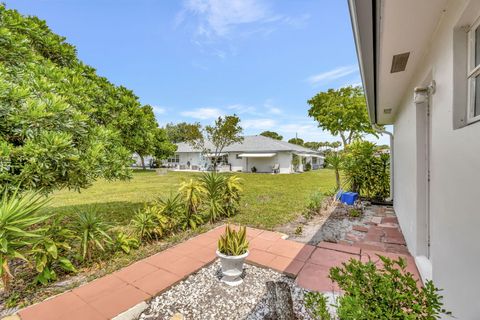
x=113 y=294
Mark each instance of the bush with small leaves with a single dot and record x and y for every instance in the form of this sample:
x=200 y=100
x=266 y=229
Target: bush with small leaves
x=316 y=304
x=389 y=292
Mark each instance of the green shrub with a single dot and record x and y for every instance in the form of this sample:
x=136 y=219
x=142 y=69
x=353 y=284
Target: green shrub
x=51 y=251
x=308 y=166
x=232 y=242
x=354 y=213
x=92 y=231
x=389 y=292
x=314 y=205
x=19 y=213
x=317 y=303
x=150 y=223
x=366 y=169
x=214 y=185
x=232 y=195
x=193 y=193
x=122 y=241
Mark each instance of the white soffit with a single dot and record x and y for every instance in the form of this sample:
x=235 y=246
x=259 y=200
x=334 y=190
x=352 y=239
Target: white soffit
x=256 y=155
x=405 y=26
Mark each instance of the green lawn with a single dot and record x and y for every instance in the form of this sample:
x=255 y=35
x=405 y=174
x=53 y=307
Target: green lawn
x=268 y=200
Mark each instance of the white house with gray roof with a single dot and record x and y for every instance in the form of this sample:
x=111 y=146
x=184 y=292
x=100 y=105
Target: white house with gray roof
x=253 y=154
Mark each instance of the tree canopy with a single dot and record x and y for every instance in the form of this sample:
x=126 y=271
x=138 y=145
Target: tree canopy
x=342 y=112
x=271 y=134
x=61 y=124
x=297 y=141
x=225 y=132
x=183 y=131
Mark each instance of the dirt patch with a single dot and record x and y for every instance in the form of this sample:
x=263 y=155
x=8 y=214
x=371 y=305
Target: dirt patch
x=331 y=224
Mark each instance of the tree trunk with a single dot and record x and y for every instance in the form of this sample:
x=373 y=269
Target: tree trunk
x=143 y=162
x=279 y=299
x=337 y=178
x=344 y=140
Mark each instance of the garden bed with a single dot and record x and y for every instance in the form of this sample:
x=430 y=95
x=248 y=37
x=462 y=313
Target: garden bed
x=203 y=296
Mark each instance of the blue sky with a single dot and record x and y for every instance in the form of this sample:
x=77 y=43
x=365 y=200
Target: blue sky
x=194 y=60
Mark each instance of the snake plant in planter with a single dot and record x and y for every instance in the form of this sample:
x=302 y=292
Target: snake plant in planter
x=232 y=251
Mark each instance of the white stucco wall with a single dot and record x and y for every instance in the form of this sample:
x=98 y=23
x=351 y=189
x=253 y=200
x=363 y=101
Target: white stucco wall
x=454 y=174
x=237 y=164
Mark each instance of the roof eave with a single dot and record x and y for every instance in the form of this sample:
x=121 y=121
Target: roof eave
x=363 y=15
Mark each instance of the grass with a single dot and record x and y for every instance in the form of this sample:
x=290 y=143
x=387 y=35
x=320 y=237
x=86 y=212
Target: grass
x=268 y=200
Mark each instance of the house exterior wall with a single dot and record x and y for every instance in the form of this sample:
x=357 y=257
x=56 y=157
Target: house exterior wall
x=283 y=159
x=237 y=164
x=454 y=173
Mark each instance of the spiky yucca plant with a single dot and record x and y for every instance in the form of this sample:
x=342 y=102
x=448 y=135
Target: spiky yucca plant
x=19 y=213
x=232 y=242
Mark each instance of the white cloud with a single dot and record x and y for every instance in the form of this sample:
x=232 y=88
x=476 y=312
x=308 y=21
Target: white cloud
x=203 y=113
x=331 y=75
x=218 y=17
x=242 y=109
x=271 y=108
x=159 y=110
x=258 y=123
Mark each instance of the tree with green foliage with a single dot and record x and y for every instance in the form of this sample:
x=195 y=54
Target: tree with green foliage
x=366 y=169
x=296 y=141
x=163 y=148
x=62 y=125
x=183 y=131
x=225 y=132
x=147 y=139
x=271 y=134
x=312 y=145
x=342 y=112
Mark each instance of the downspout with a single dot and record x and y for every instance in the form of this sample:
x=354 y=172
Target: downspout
x=383 y=131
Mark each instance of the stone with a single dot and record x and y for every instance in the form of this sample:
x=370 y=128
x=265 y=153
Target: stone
x=177 y=316
x=279 y=301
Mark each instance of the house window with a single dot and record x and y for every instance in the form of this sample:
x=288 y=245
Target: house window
x=473 y=75
x=174 y=159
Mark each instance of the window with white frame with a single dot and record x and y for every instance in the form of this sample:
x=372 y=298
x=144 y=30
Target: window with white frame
x=473 y=75
x=174 y=159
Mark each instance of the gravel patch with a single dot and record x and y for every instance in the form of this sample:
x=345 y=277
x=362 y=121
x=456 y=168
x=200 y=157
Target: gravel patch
x=203 y=296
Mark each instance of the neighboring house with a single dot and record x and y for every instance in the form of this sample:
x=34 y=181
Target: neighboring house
x=149 y=161
x=420 y=65
x=259 y=152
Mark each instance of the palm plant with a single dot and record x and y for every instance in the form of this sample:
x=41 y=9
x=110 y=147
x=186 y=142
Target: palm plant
x=19 y=213
x=192 y=192
x=214 y=185
x=334 y=161
x=171 y=206
x=92 y=231
x=144 y=224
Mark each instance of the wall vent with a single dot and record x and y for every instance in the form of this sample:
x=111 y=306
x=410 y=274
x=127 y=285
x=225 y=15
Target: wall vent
x=387 y=110
x=399 y=62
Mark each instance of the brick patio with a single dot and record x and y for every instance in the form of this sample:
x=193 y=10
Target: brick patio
x=113 y=294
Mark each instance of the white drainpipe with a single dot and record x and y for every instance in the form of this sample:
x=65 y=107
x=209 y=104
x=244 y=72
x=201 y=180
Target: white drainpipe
x=382 y=131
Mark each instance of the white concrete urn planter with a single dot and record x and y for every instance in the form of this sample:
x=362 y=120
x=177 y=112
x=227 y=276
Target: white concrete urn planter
x=232 y=268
